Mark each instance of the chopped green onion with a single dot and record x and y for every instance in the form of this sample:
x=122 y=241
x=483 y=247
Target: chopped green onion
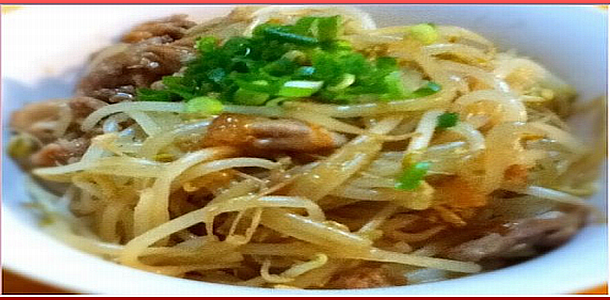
x=21 y=146
x=328 y=28
x=430 y=88
x=447 y=120
x=179 y=85
x=280 y=67
x=285 y=61
x=396 y=88
x=347 y=80
x=305 y=71
x=146 y=94
x=300 y=88
x=206 y=44
x=425 y=33
x=304 y=25
x=204 y=106
x=322 y=28
x=412 y=176
x=261 y=86
x=217 y=75
x=295 y=55
x=341 y=45
x=277 y=33
x=277 y=101
x=247 y=97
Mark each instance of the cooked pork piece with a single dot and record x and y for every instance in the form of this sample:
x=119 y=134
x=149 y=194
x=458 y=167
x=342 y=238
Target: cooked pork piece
x=258 y=133
x=55 y=126
x=173 y=27
x=542 y=232
x=115 y=77
x=366 y=277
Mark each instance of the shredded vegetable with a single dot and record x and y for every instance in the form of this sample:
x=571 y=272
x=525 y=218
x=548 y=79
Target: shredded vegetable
x=412 y=176
x=302 y=147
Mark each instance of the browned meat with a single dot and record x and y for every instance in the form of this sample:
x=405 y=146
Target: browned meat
x=115 y=78
x=55 y=125
x=257 y=133
x=41 y=119
x=548 y=230
x=461 y=193
x=366 y=277
x=516 y=176
x=156 y=49
x=60 y=152
x=173 y=27
x=540 y=233
x=487 y=246
x=83 y=106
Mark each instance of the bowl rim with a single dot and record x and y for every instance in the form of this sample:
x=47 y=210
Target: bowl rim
x=30 y=268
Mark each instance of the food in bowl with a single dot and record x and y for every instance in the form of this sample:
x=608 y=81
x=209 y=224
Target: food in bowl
x=305 y=148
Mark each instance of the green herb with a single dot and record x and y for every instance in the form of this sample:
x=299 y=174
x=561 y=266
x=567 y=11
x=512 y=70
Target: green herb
x=347 y=80
x=146 y=94
x=447 y=120
x=305 y=72
x=328 y=29
x=276 y=102
x=430 y=88
x=206 y=44
x=204 y=106
x=307 y=59
x=300 y=88
x=21 y=145
x=282 y=34
x=426 y=33
x=396 y=88
x=249 y=97
x=412 y=176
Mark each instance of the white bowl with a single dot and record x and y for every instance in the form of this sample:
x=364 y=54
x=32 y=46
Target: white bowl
x=44 y=48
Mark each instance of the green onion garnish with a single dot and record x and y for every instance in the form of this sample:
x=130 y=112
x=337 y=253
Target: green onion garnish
x=426 y=33
x=447 y=120
x=279 y=33
x=396 y=88
x=204 y=106
x=347 y=80
x=430 y=88
x=412 y=176
x=247 y=97
x=276 y=102
x=300 y=88
x=328 y=28
x=306 y=59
